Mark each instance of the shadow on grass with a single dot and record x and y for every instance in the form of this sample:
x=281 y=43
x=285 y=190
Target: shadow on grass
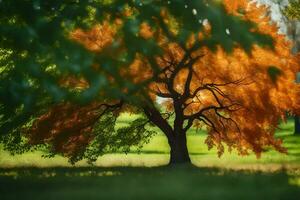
x=179 y=182
x=161 y=152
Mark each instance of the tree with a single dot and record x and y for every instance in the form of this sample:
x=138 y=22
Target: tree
x=284 y=13
x=177 y=63
x=292 y=11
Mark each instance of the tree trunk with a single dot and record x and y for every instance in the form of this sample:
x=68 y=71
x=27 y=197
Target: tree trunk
x=176 y=138
x=179 y=152
x=297 y=125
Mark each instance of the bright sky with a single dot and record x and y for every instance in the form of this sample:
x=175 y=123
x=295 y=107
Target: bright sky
x=275 y=11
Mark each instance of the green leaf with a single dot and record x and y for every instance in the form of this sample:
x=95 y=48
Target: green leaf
x=274 y=72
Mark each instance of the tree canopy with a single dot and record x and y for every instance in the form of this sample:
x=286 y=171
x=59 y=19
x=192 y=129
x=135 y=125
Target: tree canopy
x=71 y=67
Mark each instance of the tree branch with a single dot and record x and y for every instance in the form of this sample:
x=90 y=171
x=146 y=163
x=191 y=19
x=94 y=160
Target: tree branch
x=156 y=118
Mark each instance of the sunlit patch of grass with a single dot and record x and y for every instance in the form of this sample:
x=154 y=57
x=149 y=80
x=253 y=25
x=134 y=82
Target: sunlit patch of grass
x=56 y=172
x=294 y=181
x=13 y=174
x=47 y=175
x=92 y=173
x=294 y=177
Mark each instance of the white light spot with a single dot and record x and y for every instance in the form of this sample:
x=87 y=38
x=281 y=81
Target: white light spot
x=227 y=31
x=200 y=21
x=169 y=2
x=205 y=22
x=186 y=6
x=194 y=12
x=141 y=4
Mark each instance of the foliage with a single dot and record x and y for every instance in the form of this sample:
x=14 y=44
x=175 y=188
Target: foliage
x=36 y=33
x=212 y=64
x=292 y=11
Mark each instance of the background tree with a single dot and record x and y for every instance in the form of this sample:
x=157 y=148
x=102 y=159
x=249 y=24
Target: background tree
x=208 y=62
x=282 y=12
x=292 y=12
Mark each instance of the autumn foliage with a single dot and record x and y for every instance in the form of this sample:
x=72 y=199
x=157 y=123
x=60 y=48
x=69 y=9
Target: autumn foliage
x=239 y=97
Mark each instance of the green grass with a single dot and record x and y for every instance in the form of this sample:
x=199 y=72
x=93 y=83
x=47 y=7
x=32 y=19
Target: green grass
x=181 y=182
x=142 y=176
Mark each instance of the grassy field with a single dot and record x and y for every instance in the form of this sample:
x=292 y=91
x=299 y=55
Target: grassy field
x=142 y=176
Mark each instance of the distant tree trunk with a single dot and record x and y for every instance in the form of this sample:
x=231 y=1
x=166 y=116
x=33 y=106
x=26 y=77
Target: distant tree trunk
x=297 y=125
x=294 y=32
x=179 y=151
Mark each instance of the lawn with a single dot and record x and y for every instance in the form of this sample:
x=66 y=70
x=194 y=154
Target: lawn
x=143 y=176
x=178 y=183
